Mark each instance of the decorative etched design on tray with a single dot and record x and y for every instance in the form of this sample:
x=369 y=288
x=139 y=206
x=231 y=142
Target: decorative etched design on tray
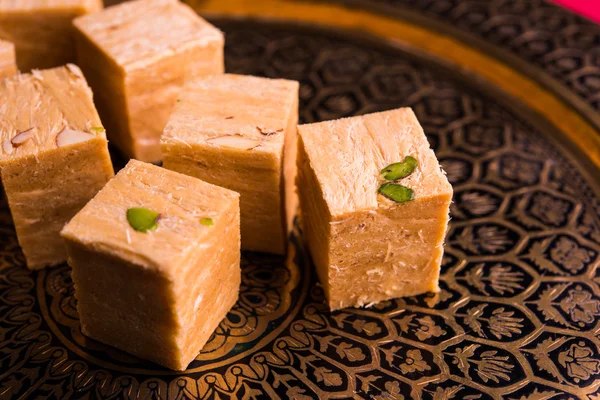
x=502 y=323
x=494 y=278
x=561 y=43
x=516 y=316
x=268 y=294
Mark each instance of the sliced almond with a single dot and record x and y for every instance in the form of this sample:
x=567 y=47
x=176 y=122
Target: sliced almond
x=268 y=132
x=37 y=74
x=68 y=136
x=7 y=147
x=74 y=69
x=22 y=137
x=236 y=142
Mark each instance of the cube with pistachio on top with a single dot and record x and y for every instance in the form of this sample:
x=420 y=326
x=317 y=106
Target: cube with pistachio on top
x=53 y=157
x=156 y=262
x=374 y=205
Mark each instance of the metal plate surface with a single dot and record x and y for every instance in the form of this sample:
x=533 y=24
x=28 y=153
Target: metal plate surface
x=519 y=311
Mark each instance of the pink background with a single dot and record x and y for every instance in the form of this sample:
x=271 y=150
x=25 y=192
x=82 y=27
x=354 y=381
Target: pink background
x=587 y=8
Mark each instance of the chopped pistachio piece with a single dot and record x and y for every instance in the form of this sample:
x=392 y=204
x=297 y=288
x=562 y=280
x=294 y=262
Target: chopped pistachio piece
x=97 y=129
x=397 y=193
x=207 y=221
x=142 y=219
x=400 y=169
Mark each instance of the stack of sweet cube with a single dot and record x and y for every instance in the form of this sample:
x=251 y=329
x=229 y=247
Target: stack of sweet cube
x=155 y=251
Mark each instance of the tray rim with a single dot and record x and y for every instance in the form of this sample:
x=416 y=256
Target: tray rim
x=463 y=58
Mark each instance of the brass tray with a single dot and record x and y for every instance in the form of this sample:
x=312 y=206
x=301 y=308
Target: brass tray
x=519 y=313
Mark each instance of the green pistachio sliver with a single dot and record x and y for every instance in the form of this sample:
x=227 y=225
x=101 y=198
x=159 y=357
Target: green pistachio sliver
x=397 y=193
x=400 y=170
x=207 y=221
x=97 y=129
x=142 y=219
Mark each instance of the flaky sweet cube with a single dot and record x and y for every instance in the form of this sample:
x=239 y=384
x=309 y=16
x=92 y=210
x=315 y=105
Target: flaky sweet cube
x=240 y=132
x=53 y=156
x=156 y=288
x=367 y=247
x=42 y=30
x=8 y=63
x=136 y=56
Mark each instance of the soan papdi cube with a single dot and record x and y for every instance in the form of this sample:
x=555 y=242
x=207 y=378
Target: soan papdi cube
x=8 y=64
x=156 y=263
x=374 y=205
x=42 y=30
x=136 y=56
x=53 y=157
x=240 y=132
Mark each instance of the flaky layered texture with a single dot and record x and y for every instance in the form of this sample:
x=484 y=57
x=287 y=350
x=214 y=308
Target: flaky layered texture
x=53 y=156
x=137 y=33
x=181 y=200
x=170 y=287
x=42 y=30
x=43 y=104
x=348 y=154
x=136 y=56
x=8 y=63
x=367 y=248
x=240 y=132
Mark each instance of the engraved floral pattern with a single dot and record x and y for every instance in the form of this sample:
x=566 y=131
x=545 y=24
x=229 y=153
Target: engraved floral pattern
x=514 y=171
x=501 y=323
x=588 y=228
x=407 y=362
x=559 y=255
x=549 y=209
x=579 y=361
x=488 y=365
x=568 y=253
x=414 y=362
x=564 y=359
x=500 y=278
x=457 y=170
x=484 y=239
x=476 y=203
x=581 y=306
x=567 y=305
x=422 y=327
x=392 y=392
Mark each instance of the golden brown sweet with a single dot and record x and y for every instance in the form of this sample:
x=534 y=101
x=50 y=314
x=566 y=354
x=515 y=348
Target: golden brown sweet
x=8 y=65
x=239 y=132
x=367 y=247
x=53 y=156
x=42 y=30
x=157 y=293
x=136 y=56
